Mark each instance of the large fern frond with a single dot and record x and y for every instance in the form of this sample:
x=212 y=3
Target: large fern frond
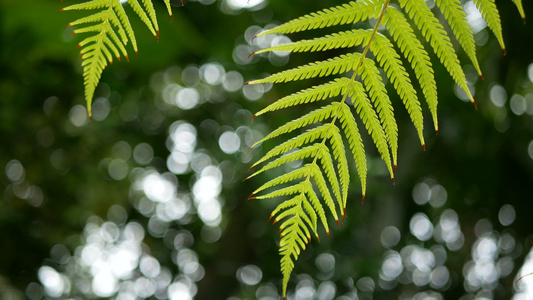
x=110 y=31
x=359 y=93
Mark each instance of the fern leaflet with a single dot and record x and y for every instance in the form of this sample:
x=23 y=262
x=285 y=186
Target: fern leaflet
x=110 y=31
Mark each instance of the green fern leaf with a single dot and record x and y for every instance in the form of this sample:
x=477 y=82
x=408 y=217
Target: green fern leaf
x=456 y=16
x=320 y=181
x=339 y=154
x=344 y=39
x=311 y=118
x=316 y=93
x=290 y=157
x=144 y=17
x=389 y=59
x=376 y=89
x=293 y=175
x=327 y=175
x=355 y=141
x=413 y=50
x=111 y=32
x=169 y=9
x=370 y=120
x=437 y=37
x=291 y=243
x=490 y=13
x=518 y=4
x=352 y=12
x=279 y=193
x=324 y=156
x=332 y=66
x=304 y=138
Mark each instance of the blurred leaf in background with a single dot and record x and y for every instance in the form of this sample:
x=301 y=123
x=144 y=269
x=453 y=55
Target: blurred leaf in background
x=146 y=201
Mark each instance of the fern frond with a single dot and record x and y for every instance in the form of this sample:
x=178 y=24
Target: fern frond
x=437 y=37
x=352 y=12
x=327 y=175
x=456 y=16
x=111 y=32
x=490 y=13
x=412 y=49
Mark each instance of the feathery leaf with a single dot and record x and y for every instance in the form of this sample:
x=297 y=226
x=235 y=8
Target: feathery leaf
x=490 y=13
x=110 y=31
x=412 y=49
x=456 y=16
x=352 y=12
x=437 y=37
x=325 y=176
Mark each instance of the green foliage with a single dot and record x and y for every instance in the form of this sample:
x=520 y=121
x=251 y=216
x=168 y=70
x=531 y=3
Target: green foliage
x=324 y=177
x=110 y=31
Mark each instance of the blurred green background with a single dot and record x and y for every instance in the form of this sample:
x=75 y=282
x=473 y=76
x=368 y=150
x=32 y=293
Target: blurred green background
x=147 y=200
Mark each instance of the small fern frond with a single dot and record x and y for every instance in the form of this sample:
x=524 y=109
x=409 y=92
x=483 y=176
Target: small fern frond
x=110 y=31
x=352 y=12
x=490 y=13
